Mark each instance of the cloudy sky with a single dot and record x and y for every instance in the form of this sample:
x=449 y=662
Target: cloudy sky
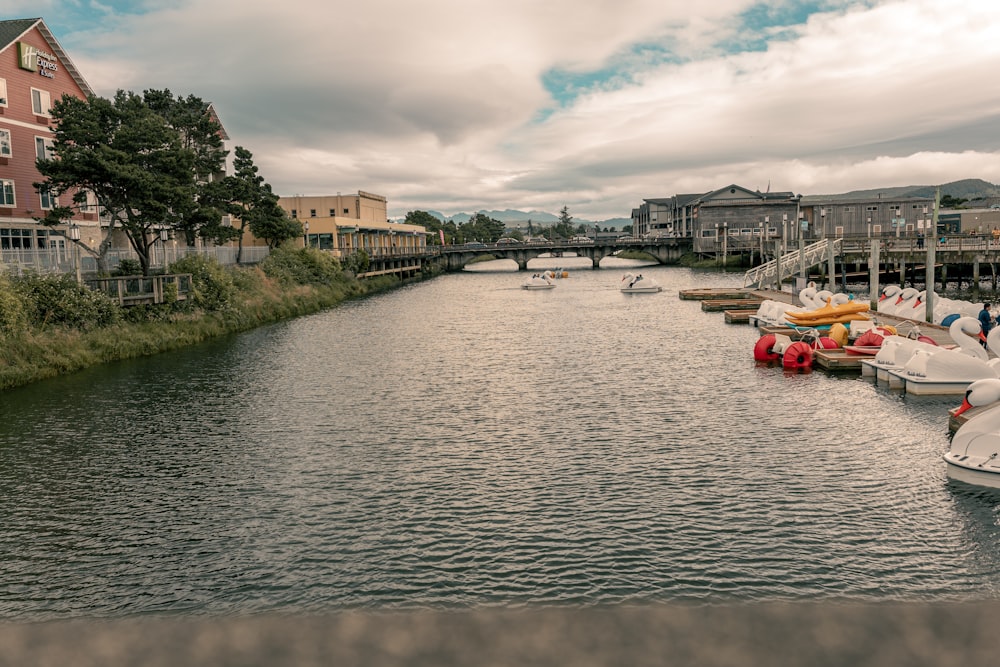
x=463 y=105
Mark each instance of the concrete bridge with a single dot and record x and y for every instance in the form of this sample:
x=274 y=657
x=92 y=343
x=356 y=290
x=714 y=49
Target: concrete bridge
x=664 y=250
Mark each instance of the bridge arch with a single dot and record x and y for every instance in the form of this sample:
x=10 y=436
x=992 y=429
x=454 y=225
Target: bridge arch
x=664 y=251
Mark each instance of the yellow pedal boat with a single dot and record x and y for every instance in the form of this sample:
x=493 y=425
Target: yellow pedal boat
x=830 y=314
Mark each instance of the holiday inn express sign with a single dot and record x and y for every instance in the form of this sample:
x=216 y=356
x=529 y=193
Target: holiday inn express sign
x=36 y=60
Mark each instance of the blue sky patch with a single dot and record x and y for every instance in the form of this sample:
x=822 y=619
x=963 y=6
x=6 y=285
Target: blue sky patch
x=752 y=30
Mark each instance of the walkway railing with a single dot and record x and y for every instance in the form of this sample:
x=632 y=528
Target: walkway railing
x=135 y=290
x=60 y=260
x=788 y=264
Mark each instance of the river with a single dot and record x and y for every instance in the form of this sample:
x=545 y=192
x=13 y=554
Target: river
x=462 y=443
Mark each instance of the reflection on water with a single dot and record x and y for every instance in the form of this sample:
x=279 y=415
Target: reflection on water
x=464 y=443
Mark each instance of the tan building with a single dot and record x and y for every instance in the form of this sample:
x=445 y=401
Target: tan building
x=344 y=224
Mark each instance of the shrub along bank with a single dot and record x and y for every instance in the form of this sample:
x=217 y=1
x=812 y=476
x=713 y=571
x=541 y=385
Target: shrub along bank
x=50 y=325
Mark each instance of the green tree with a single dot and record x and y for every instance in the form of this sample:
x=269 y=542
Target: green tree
x=948 y=201
x=481 y=227
x=249 y=199
x=273 y=226
x=146 y=159
x=431 y=224
x=564 y=227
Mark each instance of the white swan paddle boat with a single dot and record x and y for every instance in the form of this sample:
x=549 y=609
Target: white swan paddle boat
x=946 y=371
x=771 y=312
x=893 y=354
x=539 y=281
x=638 y=284
x=974 y=456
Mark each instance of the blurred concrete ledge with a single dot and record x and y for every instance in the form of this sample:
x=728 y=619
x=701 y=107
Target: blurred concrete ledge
x=810 y=634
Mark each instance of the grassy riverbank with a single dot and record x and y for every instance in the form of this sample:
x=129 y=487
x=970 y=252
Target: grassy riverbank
x=50 y=326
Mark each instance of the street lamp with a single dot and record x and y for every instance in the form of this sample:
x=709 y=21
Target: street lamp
x=305 y=235
x=74 y=235
x=164 y=235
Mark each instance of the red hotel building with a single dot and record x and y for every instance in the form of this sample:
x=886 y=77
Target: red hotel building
x=34 y=73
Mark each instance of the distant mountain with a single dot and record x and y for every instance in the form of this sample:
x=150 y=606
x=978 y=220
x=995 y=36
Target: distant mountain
x=975 y=190
x=508 y=215
x=514 y=218
x=970 y=188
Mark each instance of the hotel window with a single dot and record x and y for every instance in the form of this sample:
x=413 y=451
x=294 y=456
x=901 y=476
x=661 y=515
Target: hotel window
x=89 y=205
x=347 y=211
x=43 y=148
x=6 y=193
x=3 y=92
x=312 y=213
x=295 y=213
x=5 y=150
x=333 y=213
x=47 y=200
x=15 y=239
x=40 y=102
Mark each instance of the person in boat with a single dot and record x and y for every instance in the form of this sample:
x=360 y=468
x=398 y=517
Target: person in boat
x=985 y=321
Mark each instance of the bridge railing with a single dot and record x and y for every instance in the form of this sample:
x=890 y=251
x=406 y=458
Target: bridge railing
x=789 y=263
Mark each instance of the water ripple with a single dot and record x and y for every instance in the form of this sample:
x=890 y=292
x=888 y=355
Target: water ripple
x=464 y=443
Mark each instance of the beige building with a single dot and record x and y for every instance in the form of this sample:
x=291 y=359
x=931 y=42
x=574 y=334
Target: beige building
x=344 y=224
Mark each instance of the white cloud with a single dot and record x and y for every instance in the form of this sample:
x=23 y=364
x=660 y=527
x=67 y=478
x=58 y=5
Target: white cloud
x=437 y=104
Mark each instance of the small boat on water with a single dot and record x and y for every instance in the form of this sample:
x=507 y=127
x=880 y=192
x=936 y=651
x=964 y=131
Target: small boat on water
x=942 y=371
x=638 y=284
x=539 y=281
x=842 y=311
x=974 y=456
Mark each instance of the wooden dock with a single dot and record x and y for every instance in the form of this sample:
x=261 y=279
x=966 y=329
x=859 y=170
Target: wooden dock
x=739 y=316
x=739 y=307
x=718 y=305
x=701 y=294
x=838 y=361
